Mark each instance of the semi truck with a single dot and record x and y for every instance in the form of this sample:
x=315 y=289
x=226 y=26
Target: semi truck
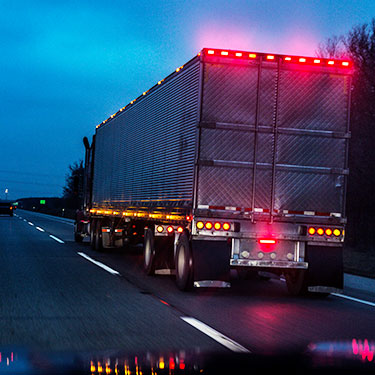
x=236 y=160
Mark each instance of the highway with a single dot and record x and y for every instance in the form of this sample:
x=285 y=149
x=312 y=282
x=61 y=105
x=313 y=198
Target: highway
x=60 y=295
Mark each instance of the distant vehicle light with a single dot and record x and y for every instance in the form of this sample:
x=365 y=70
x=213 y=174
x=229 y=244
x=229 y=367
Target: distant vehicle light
x=200 y=225
x=159 y=228
x=320 y=231
x=208 y=225
x=217 y=226
x=311 y=230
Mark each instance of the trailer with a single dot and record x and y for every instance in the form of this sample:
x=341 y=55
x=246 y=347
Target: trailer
x=236 y=160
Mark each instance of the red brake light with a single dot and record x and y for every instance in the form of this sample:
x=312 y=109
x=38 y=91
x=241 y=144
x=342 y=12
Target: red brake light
x=311 y=230
x=320 y=231
x=267 y=241
x=170 y=229
x=217 y=226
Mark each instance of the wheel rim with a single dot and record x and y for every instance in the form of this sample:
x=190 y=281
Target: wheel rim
x=147 y=253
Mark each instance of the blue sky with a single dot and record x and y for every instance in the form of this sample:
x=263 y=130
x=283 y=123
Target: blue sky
x=68 y=65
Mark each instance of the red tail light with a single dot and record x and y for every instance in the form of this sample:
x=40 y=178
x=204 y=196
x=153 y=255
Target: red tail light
x=312 y=230
x=209 y=225
x=170 y=229
x=226 y=226
x=320 y=231
x=180 y=229
x=217 y=226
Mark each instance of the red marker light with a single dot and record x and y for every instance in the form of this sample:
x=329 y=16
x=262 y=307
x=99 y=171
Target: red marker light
x=224 y=53
x=331 y=62
x=270 y=57
x=345 y=63
x=288 y=59
x=170 y=229
x=267 y=241
x=316 y=61
x=302 y=60
x=252 y=55
x=210 y=52
x=238 y=54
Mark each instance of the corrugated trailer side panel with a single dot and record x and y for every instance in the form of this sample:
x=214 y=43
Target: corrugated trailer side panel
x=145 y=156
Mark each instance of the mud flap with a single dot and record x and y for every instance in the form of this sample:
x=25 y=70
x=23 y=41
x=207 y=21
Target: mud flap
x=164 y=258
x=211 y=263
x=325 y=270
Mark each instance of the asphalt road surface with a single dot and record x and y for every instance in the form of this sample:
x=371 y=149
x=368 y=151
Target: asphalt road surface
x=60 y=295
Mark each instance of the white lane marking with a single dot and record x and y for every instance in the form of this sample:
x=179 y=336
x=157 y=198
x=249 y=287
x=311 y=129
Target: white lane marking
x=29 y=222
x=56 y=239
x=354 y=299
x=40 y=229
x=217 y=336
x=24 y=220
x=108 y=269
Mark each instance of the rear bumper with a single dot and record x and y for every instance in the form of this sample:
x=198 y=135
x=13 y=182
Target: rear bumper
x=268 y=263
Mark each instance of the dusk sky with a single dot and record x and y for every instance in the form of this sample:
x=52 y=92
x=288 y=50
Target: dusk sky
x=68 y=65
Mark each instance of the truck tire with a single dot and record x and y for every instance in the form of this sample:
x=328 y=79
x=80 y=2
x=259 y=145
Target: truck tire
x=77 y=236
x=184 y=264
x=92 y=234
x=98 y=236
x=149 y=252
x=296 y=282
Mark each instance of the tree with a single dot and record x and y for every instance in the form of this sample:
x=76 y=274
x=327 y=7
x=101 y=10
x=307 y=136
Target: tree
x=73 y=189
x=359 y=46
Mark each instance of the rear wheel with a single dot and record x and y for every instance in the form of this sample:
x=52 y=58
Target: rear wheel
x=149 y=253
x=98 y=236
x=184 y=264
x=92 y=234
